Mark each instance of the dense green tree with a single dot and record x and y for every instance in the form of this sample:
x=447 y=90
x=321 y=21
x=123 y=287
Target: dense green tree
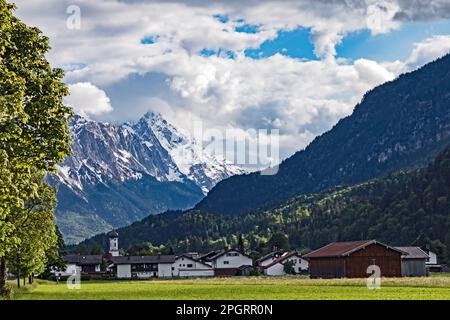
x=55 y=261
x=96 y=249
x=82 y=249
x=278 y=241
x=35 y=230
x=288 y=267
x=34 y=131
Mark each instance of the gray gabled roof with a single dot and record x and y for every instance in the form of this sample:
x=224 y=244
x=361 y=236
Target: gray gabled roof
x=195 y=260
x=413 y=253
x=83 y=260
x=143 y=259
x=210 y=257
x=269 y=255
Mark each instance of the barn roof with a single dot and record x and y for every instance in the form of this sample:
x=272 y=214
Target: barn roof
x=413 y=253
x=341 y=249
x=143 y=259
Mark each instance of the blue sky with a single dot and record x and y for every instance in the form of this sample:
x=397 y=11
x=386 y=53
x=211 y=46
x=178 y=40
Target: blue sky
x=395 y=45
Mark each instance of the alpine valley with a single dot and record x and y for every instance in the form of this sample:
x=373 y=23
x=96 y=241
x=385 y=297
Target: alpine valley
x=375 y=174
x=118 y=174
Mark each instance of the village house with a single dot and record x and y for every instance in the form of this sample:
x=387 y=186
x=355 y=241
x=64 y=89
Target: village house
x=143 y=267
x=352 y=259
x=413 y=262
x=75 y=263
x=432 y=263
x=226 y=262
x=187 y=266
x=277 y=266
x=268 y=258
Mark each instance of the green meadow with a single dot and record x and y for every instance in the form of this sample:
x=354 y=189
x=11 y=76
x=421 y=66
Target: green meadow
x=273 y=288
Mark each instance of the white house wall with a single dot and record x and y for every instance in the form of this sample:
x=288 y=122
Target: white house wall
x=70 y=270
x=164 y=270
x=275 y=270
x=433 y=258
x=278 y=268
x=234 y=261
x=183 y=265
x=124 y=271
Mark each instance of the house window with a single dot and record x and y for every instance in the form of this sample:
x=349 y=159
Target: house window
x=189 y=265
x=226 y=262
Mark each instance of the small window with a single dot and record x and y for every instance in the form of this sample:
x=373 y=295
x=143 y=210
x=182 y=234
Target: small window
x=226 y=262
x=189 y=265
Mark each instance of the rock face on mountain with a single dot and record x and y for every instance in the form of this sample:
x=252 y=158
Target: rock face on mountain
x=401 y=124
x=118 y=174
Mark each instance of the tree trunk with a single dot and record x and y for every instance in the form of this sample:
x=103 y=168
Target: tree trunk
x=3 y=275
x=24 y=279
x=30 y=281
x=18 y=270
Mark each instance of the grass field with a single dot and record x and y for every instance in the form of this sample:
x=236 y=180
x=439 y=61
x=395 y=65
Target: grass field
x=435 y=287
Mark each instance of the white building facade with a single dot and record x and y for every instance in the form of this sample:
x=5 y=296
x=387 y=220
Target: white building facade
x=185 y=267
x=143 y=267
x=277 y=266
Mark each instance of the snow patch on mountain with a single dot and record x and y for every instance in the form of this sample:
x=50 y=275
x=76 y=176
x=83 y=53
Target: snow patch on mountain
x=104 y=153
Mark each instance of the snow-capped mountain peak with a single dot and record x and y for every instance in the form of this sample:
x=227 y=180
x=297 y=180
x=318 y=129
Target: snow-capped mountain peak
x=191 y=158
x=104 y=153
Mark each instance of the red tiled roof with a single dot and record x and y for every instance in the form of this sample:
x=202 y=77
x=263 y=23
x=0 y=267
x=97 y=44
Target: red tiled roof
x=339 y=249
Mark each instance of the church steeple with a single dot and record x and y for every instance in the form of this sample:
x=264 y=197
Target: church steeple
x=114 y=243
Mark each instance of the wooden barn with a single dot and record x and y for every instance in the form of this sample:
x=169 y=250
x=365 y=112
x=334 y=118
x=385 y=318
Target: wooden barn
x=414 y=262
x=351 y=260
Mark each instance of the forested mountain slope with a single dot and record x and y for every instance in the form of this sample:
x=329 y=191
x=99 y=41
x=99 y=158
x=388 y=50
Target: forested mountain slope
x=405 y=208
x=402 y=124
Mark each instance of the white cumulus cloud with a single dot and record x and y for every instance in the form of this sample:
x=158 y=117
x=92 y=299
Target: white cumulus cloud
x=428 y=50
x=86 y=99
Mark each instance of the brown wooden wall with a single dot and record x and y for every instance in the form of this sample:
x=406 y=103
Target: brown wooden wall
x=356 y=264
x=327 y=268
x=388 y=260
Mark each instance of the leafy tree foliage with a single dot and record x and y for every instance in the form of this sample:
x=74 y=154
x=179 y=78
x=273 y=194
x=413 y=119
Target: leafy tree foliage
x=288 y=267
x=34 y=136
x=55 y=261
x=35 y=230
